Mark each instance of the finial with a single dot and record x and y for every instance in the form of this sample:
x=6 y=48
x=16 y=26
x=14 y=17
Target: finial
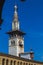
x=15 y=7
x=31 y=50
x=15 y=14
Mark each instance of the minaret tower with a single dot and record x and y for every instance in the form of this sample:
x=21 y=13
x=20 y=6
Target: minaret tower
x=16 y=40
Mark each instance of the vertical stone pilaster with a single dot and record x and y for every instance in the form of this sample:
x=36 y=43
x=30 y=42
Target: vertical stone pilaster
x=0 y=61
x=5 y=61
x=9 y=62
x=16 y=63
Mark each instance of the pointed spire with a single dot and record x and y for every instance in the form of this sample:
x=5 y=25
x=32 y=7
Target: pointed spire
x=15 y=8
x=15 y=23
x=15 y=14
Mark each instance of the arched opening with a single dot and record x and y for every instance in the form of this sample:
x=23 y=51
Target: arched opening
x=7 y=62
x=26 y=63
x=3 y=61
x=20 y=63
x=14 y=62
x=29 y=63
x=17 y=63
x=11 y=62
x=23 y=63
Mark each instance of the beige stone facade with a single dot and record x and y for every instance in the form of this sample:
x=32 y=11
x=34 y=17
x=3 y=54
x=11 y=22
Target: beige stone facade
x=6 y=59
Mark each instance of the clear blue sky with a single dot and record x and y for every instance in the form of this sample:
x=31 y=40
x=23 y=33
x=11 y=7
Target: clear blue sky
x=31 y=22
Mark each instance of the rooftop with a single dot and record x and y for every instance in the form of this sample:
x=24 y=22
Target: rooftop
x=19 y=58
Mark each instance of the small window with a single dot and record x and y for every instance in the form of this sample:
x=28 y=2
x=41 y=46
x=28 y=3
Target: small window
x=20 y=63
x=7 y=62
x=14 y=62
x=34 y=64
x=11 y=62
x=17 y=63
x=3 y=61
x=13 y=43
x=23 y=63
x=29 y=64
x=26 y=63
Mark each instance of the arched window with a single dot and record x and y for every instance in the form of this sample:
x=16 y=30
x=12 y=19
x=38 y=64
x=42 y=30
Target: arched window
x=7 y=62
x=17 y=63
x=14 y=62
x=29 y=63
x=13 y=43
x=26 y=63
x=23 y=63
x=34 y=64
x=20 y=63
x=11 y=62
x=3 y=61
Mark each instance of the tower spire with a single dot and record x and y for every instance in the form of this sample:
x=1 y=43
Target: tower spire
x=15 y=13
x=15 y=23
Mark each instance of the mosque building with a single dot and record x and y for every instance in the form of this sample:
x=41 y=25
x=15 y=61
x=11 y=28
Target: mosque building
x=16 y=55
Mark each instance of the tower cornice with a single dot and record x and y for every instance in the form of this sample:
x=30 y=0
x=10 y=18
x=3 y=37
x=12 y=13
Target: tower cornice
x=18 y=32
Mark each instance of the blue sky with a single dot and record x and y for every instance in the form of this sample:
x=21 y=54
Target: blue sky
x=30 y=15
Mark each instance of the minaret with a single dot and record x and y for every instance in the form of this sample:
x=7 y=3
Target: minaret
x=16 y=40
